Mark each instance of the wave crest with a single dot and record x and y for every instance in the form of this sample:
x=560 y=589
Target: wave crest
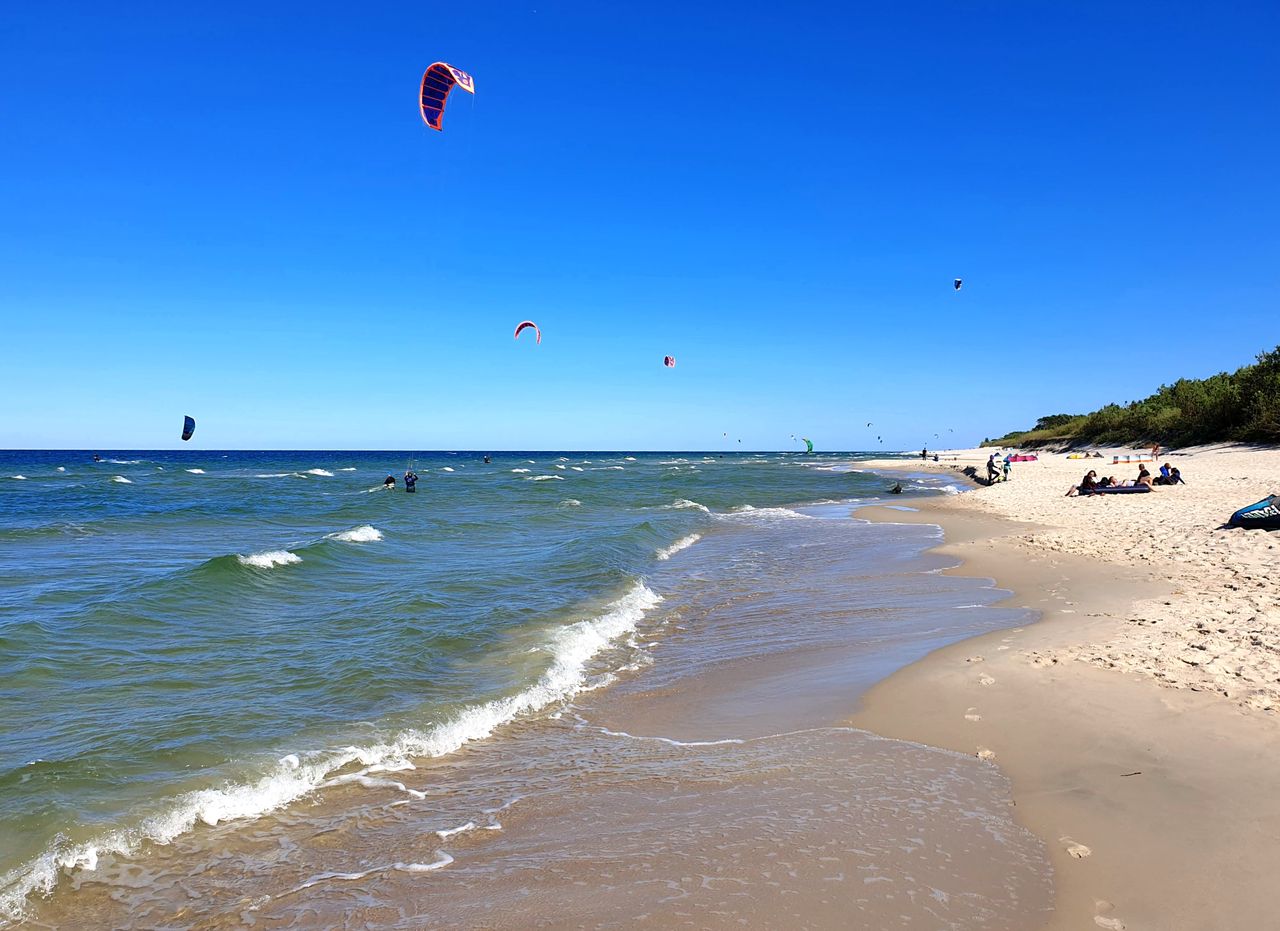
x=269 y=559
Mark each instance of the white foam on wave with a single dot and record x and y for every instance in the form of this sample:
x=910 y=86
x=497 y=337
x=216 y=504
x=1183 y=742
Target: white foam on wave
x=62 y=468
x=519 y=470
x=447 y=469
x=443 y=860
x=270 y=559
x=447 y=833
x=274 y=474
x=682 y=544
x=571 y=649
x=19 y=478
x=559 y=466
x=609 y=469
x=544 y=478
x=628 y=458
x=682 y=503
x=570 y=503
x=196 y=471
x=324 y=472
x=122 y=480
x=365 y=533
x=578 y=468
x=747 y=510
x=348 y=469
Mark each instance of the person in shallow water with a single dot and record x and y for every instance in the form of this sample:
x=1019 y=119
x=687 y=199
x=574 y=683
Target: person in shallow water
x=97 y=458
x=410 y=480
x=389 y=482
x=896 y=489
x=487 y=460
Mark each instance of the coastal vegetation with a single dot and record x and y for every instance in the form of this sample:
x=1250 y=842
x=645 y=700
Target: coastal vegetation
x=1239 y=406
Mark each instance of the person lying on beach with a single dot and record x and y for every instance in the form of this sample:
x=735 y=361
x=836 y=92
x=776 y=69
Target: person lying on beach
x=1086 y=486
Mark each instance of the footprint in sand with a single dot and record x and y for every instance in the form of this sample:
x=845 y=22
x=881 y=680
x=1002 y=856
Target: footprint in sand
x=1079 y=851
x=985 y=679
x=986 y=755
x=971 y=714
x=974 y=659
x=1103 y=908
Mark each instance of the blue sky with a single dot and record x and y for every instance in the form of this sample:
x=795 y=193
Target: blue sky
x=234 y=211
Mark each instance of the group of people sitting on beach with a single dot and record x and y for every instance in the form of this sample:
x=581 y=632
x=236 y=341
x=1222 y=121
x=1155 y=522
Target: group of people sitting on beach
x=1090 y=484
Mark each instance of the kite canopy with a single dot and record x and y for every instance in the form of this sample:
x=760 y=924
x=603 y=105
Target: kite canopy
x=188 y=427
x=808 y=443
x=526 y=324
x=959 y=281
x=669 y=361
x=437 y=81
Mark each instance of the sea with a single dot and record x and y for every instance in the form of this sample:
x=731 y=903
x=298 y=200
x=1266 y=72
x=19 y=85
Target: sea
x=578 y=689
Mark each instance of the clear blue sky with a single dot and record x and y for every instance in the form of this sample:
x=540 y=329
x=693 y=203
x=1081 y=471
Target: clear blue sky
x=234 y=210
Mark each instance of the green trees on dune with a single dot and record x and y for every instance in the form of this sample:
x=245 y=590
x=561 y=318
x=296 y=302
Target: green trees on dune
x=1243 y=405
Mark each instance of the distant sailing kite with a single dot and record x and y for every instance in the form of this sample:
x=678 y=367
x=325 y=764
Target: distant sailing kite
x=958 y=283
x=527 y=324
x=437 y=82
x=669 y=361
x=188 y=427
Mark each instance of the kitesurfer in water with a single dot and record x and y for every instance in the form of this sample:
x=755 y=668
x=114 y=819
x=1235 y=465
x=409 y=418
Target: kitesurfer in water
x=389 y=482
x=896 y=489
x=410 y=480
x=487 y=460
x=97 y=458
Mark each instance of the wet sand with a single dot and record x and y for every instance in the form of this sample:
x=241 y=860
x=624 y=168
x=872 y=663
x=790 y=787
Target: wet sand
x=1160 y=805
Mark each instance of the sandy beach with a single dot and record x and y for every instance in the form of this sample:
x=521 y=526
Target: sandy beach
x=1136 y=719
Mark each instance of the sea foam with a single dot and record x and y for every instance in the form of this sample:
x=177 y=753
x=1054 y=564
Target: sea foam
x=323 y=472
x=682 y=544
x=270 y=559
x=362 y=534
x=122 y=480
x=196 y=471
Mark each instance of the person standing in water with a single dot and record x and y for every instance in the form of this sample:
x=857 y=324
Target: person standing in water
x=410 y=480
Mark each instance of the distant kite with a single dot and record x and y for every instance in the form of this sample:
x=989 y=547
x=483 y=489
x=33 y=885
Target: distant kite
x=188 y=427
x=526 y=324
x=868 y=423
x=669 y=361
x=437 y=81
x=808 y=444
x=958 y=283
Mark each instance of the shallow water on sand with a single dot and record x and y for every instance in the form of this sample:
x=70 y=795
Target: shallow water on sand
x=695 y=776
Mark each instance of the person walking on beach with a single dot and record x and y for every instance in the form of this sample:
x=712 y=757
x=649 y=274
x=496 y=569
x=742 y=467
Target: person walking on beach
x=1007 y=468
x=993 y=471
x=924 y=454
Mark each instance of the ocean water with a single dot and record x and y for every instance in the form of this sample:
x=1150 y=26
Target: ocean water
x=202 y=653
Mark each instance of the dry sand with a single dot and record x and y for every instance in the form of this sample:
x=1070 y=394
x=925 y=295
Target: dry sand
x=1161 y=804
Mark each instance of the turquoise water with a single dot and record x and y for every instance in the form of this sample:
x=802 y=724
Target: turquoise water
x=197 y=637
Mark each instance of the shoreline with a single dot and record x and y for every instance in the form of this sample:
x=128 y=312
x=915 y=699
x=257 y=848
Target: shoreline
x=1157 y=805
